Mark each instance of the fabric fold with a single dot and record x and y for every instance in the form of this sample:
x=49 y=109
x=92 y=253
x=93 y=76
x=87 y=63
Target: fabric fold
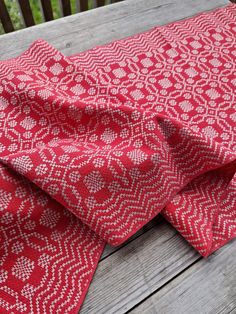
x=113 y=183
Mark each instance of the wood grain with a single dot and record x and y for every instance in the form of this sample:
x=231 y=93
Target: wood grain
x=208 y=287
x=131 y=274
x=85 y=30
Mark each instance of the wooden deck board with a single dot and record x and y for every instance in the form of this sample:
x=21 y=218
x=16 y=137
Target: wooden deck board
x=132 y=273
x=156 y=265
x=209 y=286
x=85 y=30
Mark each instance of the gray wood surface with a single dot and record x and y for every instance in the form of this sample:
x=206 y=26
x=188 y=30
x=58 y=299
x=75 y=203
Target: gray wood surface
x=132 y=273
x=208 y=287
x=155 y=271
x=99 y=26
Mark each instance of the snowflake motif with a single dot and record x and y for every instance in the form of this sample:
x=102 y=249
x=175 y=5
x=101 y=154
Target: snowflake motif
x=137 y=156
x=124 y=133
x=147 y=62
x=23 y=268
x=196 y=44
x=78 y=89
x=119 y=73
x=172 y=53
x=28 y=123
x=137 y=94
x=42 y=200
x=56 y=69
x=191 y=72
x=108 y=136
x=212 y=93
x=186 y=106
x=94 y=181
x=2 y=148
x=165 y=83
x=150 y=125
x=215 y=62
x=63 y=158
x=210 y=132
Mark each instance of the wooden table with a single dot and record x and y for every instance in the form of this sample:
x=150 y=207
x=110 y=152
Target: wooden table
x=155 y=271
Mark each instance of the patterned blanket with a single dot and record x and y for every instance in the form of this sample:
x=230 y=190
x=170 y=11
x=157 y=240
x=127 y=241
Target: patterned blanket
x=95 y=145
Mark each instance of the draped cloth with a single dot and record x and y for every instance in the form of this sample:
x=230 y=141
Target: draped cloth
x=95 y=145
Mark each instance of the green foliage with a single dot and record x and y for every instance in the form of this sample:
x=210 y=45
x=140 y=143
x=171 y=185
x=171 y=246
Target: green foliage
x=14 y=11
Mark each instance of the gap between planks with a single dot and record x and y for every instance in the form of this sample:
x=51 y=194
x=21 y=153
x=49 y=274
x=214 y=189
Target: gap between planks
x=135 y=271
x=208 y=287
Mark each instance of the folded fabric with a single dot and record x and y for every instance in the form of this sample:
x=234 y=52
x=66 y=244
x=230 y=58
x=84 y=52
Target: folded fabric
x=95 y=145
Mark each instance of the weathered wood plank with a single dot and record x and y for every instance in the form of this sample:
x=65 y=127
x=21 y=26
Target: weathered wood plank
x=95 y=27
x=131 y=274
x=208 y=287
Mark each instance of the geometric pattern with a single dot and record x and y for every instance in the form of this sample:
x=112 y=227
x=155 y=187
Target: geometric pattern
x=95 y=145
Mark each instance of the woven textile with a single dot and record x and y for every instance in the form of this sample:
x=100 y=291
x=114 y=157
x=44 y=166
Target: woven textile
x=95 y=145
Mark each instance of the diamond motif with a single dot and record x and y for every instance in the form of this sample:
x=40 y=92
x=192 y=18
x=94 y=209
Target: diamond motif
x=186 y=106
x=108 y=136
x=212 y=93
x=165 y=83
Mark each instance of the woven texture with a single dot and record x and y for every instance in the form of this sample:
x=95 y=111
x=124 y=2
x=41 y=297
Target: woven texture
x=95 y=145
